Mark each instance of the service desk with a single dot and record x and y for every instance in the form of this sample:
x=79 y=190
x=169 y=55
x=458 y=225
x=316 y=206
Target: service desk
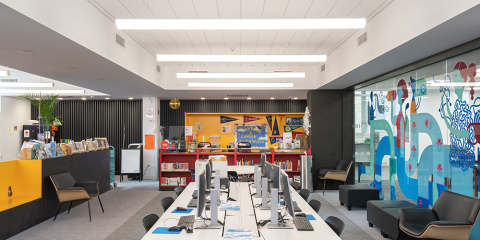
x=34 y=199
x=246 y=218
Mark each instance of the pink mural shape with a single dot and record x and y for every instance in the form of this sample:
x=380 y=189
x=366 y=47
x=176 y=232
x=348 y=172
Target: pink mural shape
x=476 y=131
x=414 y=149
x=414 y=124
x=410 y=167
x=426 y=123
x=439 y=142
x=439 y=168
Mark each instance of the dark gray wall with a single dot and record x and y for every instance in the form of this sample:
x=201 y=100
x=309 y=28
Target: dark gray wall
x=120 y=121
x=176 y=117
x=331 y=137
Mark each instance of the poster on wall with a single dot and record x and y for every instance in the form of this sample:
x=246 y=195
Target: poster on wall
x=198 y=126
x=247 y=119
x=226 y=129
x=293 y=121
x=290 y=128
x=275 y=128
x=225 y=119
x=274 y=140
x=255 y=134
x=188 y=130
x=269 y=120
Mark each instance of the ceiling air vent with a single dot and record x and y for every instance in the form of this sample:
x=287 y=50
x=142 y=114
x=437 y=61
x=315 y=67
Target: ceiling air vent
x=322 y=68
x=362 y=39
x=159 y=69
x=120 y=41
x=237 y=96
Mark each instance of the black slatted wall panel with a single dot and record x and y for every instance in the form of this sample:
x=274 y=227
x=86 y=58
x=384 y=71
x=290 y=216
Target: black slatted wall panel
x=176 y=117
x=119 y=121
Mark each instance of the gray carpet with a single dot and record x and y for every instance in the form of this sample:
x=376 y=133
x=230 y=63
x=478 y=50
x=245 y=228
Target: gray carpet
x=126 y=205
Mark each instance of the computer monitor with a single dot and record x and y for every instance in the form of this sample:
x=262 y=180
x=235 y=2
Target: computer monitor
x=275 y=177
x=263 y=159
x=208 y=175
x=202 y=185
x=268 y=167
x=287 y=194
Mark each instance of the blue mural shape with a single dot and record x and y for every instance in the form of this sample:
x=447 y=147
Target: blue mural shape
x=255 y=134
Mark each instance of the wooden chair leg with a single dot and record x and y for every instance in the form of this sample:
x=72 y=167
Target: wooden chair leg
x=57 y=211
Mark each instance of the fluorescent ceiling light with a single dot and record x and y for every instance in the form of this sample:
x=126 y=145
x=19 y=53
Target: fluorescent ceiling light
x=243 y=75
x=239 y=58
x=240 y=85
x=4 y=73
x=26 y=85
x=240 y=24
x=11 y=91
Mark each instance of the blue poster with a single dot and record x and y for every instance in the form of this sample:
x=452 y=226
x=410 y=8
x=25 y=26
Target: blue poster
x=224 y=119
x=255 y=134
x=275 y=139
x=293 y=121
x=275 y=128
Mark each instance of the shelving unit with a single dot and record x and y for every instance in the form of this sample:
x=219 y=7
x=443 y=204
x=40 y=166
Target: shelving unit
x=232 y=159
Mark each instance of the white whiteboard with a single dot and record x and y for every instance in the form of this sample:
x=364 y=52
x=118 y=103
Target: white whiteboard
x=130 y=161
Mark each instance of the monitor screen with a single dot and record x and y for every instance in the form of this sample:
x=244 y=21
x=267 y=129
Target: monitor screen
x=287 y=194
x=208 y=175
x=202 y=185
x=275 y=175
x=263 y=165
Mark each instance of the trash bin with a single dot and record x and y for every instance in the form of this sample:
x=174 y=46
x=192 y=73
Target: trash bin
x=306 y=174
x=112 y=166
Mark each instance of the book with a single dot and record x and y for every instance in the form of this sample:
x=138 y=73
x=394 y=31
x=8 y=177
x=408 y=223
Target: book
x=64 y=149
x=47 y=152
x=163 y=181
x=59 y=151
x=53 y=147
x=41 y=153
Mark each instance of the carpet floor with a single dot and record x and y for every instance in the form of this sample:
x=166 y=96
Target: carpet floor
x=126 y=205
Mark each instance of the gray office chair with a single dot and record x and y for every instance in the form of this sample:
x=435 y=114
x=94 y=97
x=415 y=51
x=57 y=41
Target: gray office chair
x=315 y=204
x=166 y=202
x=149 y=220
x=304 y=193
x=336 y=224
x=295 y=186
x=178 y=190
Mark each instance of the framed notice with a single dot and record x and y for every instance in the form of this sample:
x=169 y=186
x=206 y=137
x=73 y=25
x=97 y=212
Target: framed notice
x=188 y=130
x=255 y=134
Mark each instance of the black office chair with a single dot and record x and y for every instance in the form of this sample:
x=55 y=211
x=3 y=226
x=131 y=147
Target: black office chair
x=295 y=186
x=149 y=220
x=304 y=193
x=232 y=176
x=336 y=224
x=178 y=190
x=166 y=203
x=192 y=171
x=315 y=204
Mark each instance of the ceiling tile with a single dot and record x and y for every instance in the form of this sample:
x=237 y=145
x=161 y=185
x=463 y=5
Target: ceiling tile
x=297 y=8
x=115 y=8
x=166 y=41
x=199 y=41
x=138 y=8
x=232 y=39
x=183 y=9
x=229 y=8
x=331 y=41
x=252 y=9
x=265 y=41
x=275 y=8
x=206 y=9
x=366 y=8
x=161 y=9
x=320 y=9
x=215 y=40
x=248 y=41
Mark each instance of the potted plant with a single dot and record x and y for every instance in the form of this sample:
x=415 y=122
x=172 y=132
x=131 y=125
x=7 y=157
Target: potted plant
x=193 y=146
x=46 y=104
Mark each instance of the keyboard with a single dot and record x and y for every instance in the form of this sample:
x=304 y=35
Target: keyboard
x=194 y=194
x=186 y=221
x=296 y=208
x=302 y=224
x=192 y=203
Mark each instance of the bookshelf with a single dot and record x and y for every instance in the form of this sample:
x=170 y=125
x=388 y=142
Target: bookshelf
x=233 y=157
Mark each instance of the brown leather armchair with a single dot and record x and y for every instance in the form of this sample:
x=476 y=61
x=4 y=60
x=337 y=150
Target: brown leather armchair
x=68 y=190
x=340 y=173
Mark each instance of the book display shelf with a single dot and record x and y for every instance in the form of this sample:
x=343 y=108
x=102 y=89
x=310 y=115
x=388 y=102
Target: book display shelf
x=175 y=167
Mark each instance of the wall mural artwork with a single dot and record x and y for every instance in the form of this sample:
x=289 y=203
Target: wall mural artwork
x=424 y=133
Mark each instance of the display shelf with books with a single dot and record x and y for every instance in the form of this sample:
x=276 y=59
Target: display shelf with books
x=289 y=160
x=34 y=149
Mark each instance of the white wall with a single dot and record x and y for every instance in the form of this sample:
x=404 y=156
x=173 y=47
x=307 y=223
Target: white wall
x=151 y=126
x=14 y=112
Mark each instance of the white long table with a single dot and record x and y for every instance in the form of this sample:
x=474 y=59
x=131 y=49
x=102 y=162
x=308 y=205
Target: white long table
x=246 y=218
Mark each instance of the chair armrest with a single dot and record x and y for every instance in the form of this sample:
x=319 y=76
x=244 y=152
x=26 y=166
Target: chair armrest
x=414 y=221
x=450 y=223
x=72 y=194
x=339 y=175
x=71 y=189
x=91 y=187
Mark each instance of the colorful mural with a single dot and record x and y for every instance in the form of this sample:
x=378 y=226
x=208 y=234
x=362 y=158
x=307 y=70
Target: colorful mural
x=421 y=132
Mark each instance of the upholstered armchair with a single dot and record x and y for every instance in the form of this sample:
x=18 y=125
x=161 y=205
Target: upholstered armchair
x=340 y=173
x=68 y=190
x=452 y=217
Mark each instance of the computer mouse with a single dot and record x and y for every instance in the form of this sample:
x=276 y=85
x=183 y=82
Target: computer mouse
x=175 y=229
x=300 y=215
x=181 y=209
x=189 y=229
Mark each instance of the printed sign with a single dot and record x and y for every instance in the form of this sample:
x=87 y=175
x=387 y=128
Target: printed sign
x=26 y=133
x=274 y=140
x=290 y=128
x=224 y=119
x=293 y=121
x=165 y=144
x=255 y=134
x=188 y=130
x=247 y=119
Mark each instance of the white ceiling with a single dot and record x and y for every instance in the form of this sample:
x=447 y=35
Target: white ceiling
x=244 y=41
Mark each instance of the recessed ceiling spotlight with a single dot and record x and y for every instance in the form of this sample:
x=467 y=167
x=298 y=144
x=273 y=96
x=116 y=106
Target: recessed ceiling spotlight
x=130 y=98
x=202 y=98
x=295 y=98
x=60 y=98
x=272 y=98
x=107 y=98
x=84 y=98
x=226 y=98
x=249 y=98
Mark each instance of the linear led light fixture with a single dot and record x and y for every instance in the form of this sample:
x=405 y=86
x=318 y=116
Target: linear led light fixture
x=26 y=85
x=239 y=85
x=243 y=75
x=4 y=73
x=241 y=24
x=11 y=91
x=239 y=58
